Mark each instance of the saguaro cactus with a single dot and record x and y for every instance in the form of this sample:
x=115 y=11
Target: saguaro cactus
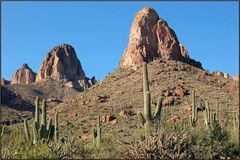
x=235 y=120
x=209 y=117
x=148 y=120
x=56 y=132
x=26 y=130
x=46 y=132
x=44 y=114
x=97 y=135
x=37 y=112
x=193 y=119
x=35 y=133
x=43 y=129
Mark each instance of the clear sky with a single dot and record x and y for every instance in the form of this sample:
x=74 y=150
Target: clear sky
x=99 y=32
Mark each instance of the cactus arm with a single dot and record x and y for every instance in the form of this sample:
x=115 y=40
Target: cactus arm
x=94 y=135
x=208 y=114
x=194 y=109
x=98 y=121
x=99 y=136
x=37 y=112
x=158 y=109
x=26 y=130
x=193 y=120
x=56 y=132
x=141 y=118
x=237 y=120
x=234 y=124
x=205 y=118
x=44 y=115
x=35 y=133
x=49 y=130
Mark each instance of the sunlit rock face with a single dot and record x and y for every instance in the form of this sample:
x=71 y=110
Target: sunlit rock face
x=62 y=64
x=150 y=38
x=24 y=75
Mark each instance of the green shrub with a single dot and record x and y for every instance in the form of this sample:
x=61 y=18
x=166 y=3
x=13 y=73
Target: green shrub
x=212 y=144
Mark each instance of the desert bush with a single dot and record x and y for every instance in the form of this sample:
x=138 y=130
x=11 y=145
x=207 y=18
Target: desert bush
x=213 y=144
x=63 y=149
x=160 y=146
x=8 y=152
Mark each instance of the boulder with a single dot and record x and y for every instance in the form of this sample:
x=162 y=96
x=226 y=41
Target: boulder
x=126 y=113
x=168 y=101
x=107 y=118
x=181 y=91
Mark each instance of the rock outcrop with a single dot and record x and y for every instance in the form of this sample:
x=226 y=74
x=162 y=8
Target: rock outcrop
x=184 y=51
x=236 y=78
x=218 y=74
x=4 y=81
x=62 y=64
x=24 y=75
x=224 y=75
x=151 y=38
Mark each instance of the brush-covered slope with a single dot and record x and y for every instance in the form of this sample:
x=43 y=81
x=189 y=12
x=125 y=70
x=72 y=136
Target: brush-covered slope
x=123 y=90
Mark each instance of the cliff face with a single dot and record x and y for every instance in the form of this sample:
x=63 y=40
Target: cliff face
x=61 y=63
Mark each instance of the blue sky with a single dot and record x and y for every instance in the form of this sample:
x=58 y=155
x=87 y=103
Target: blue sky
x=99 y=32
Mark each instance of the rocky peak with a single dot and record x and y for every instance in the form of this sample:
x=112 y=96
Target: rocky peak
x=25 y=66
x=150 y=38
x=62 y=64
x=4 y=81
x=24 y=75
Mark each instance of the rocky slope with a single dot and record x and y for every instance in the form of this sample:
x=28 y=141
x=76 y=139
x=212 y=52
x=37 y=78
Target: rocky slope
x=122 y=92
x=24 y=75
x=150 y=38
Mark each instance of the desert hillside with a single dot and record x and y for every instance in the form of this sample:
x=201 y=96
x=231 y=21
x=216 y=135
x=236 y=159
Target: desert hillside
x=122 y=90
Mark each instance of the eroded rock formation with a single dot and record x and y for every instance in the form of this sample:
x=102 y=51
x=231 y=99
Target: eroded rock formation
x=62 y=64
x=24 y=75
x=150 y=38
